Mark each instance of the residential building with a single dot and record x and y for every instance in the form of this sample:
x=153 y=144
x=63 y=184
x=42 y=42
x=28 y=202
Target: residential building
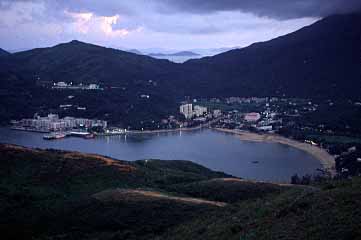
x=187 y=110
x=199 y=110
x=53 y=123
x=217 y=113
x=252 y=117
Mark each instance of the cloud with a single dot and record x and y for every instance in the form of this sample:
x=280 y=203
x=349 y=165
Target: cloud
x=28 y=24
x=106 y=25
x=167 y=23
x=23 y=24
x=81 y=21
x=279 y=9
x=89 y=23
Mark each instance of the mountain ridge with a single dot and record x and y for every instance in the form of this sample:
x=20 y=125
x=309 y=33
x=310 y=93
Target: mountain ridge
x=320 y=54
x=181 y=53
x=91 y=63
x=317 y=61
x=315 y=54
x=3 y=52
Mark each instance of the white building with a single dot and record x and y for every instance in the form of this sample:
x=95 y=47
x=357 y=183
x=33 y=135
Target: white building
x=53 y=117
x=252 y=117
x=93 y=86
x=53 y=123
x=265 y=128
x=217 y=113
x=186 y=110
x=61 y=84
x=199 y=110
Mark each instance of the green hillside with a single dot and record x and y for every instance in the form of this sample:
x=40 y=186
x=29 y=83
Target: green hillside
x=49 y=194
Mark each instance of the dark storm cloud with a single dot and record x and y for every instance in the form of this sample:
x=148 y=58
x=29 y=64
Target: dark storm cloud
x=181 y=24
x=105 y=8
x=280 y=9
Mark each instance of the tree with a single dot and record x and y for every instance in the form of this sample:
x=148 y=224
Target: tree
x=295 y=179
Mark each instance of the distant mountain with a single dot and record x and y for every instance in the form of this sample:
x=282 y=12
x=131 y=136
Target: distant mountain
x=18 y=50
x=180 y=54
x=198 y=51
x=135 y=51
x=212 y=51
x=3 y=52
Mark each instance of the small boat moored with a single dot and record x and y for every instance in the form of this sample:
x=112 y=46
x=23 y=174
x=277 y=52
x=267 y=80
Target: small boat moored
x=54 y=136
x=85 y=135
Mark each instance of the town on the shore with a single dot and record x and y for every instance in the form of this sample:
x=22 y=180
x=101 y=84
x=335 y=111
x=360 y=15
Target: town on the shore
x=191 y=115
x=268 y=114
x=288 y=117
x=263 y=115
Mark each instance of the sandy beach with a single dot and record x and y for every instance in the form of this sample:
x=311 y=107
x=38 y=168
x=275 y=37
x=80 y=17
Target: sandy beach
x=326 y=159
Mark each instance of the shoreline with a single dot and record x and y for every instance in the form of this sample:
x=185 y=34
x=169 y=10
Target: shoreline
x=327 y=160
x=123 y=133
x=164 y=130
x=206 y=125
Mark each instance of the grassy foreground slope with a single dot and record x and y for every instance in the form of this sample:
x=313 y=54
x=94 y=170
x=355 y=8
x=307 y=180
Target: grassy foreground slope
x=330 y=212
x=58 y=195
x=48 y=194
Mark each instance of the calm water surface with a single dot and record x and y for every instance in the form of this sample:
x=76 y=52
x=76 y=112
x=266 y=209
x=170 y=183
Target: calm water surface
x=215 y=150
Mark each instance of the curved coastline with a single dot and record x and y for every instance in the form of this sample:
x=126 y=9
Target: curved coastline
x=327 y=160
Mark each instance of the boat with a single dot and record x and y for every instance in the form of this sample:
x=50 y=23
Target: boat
x=85 y=135
x=54 y=136
x=89 y=136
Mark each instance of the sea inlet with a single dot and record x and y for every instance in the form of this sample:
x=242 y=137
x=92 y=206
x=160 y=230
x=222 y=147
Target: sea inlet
x=215 y=150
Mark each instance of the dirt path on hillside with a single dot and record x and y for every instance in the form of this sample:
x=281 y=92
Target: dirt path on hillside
x=288 y=185
x=115 y=195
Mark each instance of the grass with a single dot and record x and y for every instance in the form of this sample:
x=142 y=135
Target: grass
x=52 y=195
x=294 y=214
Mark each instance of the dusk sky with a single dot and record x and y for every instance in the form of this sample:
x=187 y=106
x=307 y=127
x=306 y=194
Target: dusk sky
x=172 y=24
